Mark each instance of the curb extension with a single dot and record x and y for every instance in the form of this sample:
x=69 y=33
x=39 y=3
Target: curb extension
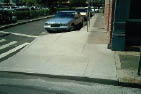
x=23 y=22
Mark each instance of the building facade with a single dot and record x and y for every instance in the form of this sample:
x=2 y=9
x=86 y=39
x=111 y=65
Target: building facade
x=123 y=22
x=10 y=1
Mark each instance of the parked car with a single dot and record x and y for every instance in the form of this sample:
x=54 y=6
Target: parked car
x=90 y=10
x=83 y=12
x=64 y=21
x=7 y=15
x=96 y=9
x=23 y=8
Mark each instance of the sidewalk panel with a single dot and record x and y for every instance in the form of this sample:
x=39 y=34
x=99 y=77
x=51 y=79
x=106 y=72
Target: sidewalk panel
x=101 y=62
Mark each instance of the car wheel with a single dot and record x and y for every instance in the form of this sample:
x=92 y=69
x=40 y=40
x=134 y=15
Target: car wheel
x=8 y=19
x=14 y=19
x=73 y=27
x=79 y=26
x=49 y=31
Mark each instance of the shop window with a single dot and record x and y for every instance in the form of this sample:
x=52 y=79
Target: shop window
x=135 y=9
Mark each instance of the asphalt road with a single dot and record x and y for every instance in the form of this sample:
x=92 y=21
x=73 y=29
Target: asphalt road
x=14 y=83
x=15 y=38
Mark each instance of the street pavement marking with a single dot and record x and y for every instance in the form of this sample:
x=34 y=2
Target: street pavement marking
x=19 y=34
x=12 y=50
x=7 y=45
x=2 y=40
x=4 y=32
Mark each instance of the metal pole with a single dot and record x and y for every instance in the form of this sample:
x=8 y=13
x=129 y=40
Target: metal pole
x=139 y=68
x=87 y=22
x=89 y=11
x=88 y=16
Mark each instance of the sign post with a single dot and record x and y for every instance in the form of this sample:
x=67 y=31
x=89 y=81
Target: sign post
x=139 y=68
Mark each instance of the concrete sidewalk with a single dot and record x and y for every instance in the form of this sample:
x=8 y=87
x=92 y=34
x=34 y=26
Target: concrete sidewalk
x=76 y=54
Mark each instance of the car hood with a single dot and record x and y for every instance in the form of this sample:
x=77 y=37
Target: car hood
x=59 y=20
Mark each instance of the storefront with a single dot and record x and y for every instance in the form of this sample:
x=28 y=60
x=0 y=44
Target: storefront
x=124 y=22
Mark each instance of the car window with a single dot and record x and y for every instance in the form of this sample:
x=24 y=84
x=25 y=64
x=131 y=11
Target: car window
x=81 y=10
x=65 y=14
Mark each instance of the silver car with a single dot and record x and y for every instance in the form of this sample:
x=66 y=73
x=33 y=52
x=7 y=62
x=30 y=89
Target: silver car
x=64 y=21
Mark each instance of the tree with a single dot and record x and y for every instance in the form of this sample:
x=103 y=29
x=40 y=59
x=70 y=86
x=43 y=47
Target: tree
x=7 y=1
x=77 y=2
x=30 y=2
x=47 y=2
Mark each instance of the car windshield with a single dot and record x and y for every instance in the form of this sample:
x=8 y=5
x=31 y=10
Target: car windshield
x=81 y=10
x=65 y=14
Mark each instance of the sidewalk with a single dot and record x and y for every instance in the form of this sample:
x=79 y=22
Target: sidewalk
x=78 y=55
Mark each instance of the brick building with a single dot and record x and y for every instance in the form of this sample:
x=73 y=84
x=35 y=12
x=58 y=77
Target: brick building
x=123 y=21
x=108 y=14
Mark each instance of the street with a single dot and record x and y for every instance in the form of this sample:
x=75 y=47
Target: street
x=25 y=83
x=19 y=35
x=87 y=47
x=14 y=83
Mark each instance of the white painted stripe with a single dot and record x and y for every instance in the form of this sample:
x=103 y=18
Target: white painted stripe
x=7 y=45
x=2 y=40
x=19 y=34
x=12 y=50
x=4 y=32
x=24 y=35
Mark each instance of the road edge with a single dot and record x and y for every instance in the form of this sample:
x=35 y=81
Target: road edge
x=24 y=22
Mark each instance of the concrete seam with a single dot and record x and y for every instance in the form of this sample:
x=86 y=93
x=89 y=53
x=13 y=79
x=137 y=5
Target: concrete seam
x=117 y=63
x=96 y=15
x=87 y=63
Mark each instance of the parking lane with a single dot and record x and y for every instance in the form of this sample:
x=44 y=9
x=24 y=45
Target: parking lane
x=32 y=28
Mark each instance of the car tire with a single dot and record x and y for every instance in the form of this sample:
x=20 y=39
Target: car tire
x=49 y=31
x=8 y=19
x=14 y=19
x=79 y=26
x=73 y=27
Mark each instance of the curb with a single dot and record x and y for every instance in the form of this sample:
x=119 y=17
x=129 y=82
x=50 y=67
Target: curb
x=129 y=83
x=23 y=22
x=76 y=78
x=79 y=78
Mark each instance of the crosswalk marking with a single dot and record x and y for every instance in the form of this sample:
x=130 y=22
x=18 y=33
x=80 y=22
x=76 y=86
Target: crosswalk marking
x=13 y=50
x=2 y=40
x=19 y=34
x=7 y=45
